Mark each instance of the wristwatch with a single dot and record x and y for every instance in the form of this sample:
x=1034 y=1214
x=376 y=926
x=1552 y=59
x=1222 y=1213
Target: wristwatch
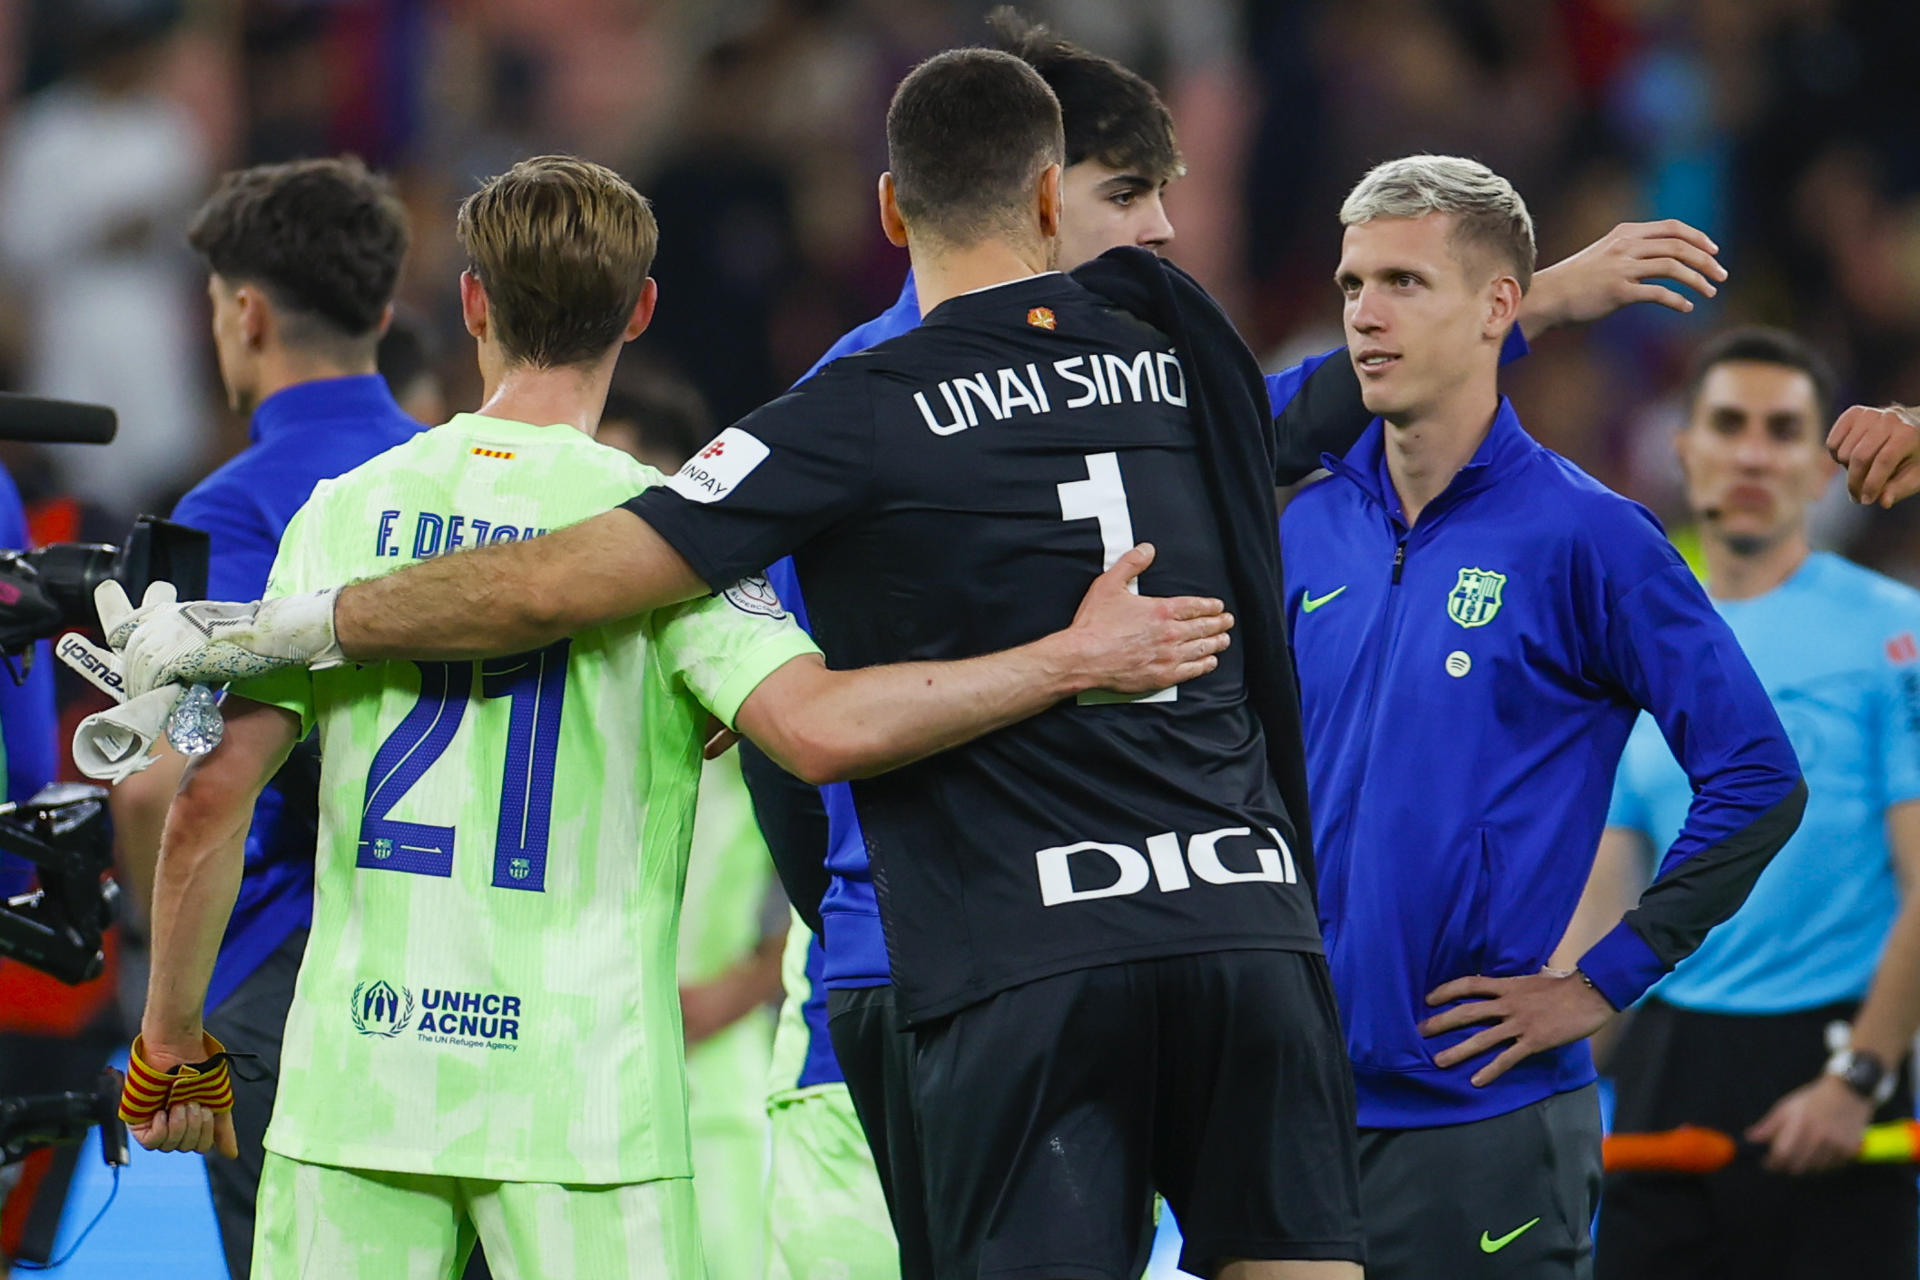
x=1859 y=1069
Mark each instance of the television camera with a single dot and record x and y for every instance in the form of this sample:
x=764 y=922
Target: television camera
x=65 y=830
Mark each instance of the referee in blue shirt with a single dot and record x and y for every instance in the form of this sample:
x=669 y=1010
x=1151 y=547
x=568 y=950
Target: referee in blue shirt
x=1476 y=622
x=303 y=260
x=1791 y=1022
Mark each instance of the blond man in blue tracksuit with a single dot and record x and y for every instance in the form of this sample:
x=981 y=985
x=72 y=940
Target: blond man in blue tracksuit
x=1477 y=623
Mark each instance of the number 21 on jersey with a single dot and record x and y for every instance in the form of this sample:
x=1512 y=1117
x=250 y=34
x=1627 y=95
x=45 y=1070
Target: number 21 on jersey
x=1102 y=497
x=536 y=685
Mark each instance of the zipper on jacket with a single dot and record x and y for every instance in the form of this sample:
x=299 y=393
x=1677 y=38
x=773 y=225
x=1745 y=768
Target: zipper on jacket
x=1373 y=694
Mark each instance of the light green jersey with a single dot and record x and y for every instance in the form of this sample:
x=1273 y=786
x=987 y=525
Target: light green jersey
x=729 y=875
x=792 y=1035
x=489 y=986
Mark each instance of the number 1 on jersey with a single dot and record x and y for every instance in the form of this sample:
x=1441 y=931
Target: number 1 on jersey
x=1102 y=497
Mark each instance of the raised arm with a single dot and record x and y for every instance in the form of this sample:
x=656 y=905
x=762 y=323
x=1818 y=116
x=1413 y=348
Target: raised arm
x=1880 y=448
x=824 y=726
x=1618 y=270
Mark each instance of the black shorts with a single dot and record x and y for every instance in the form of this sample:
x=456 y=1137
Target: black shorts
x=876 y=1058
x=1677 y=1066
x=1049 y=1114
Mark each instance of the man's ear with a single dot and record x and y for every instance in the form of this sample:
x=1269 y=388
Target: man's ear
x=473 y=305
x=256 y=316
x=1049 y=201
x=642 y=311
x=1503 y=306
x=891 y=222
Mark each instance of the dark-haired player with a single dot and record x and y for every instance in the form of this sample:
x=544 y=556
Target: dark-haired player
x=1792 y=1021
x=302 y=262
x=1122 y=154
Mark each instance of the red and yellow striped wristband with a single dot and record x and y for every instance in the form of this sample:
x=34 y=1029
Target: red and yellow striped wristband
x=149 y=1091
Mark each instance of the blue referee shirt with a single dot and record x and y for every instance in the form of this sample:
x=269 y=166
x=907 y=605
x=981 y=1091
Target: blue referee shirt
x=304 y=434
x=1835 y=647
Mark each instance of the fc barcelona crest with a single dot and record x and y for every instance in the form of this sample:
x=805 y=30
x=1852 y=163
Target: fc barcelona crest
x=1475 y=599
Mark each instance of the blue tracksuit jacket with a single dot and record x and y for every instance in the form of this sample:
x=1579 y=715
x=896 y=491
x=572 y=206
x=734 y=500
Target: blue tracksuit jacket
x=1467 y=686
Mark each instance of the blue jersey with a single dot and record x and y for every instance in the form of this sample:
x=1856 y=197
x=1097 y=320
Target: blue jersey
x=1835 y=647
x=304 y=434
x=1467 y=684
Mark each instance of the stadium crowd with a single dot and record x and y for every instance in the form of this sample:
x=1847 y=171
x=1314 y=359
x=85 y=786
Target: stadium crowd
x=754 y=130
x=754 y=125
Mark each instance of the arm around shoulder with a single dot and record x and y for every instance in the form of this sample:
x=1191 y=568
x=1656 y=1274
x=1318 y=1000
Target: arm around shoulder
x=826 y=726
x=512 y=597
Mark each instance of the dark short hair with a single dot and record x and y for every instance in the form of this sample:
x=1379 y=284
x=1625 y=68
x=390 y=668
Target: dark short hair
x=562 y=247
x=667 y=412
x=1760 y=344
x=967 y=133
x=323 y=238
x=1111 y=114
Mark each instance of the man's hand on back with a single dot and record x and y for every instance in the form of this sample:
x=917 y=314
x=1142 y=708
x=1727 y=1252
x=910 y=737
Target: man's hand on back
x=1130 y=643
x=1880 y=448
x=1619 y=269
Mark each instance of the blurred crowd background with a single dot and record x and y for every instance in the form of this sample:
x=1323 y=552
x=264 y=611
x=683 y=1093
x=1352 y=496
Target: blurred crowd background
x=1789 y=130
x=1784 y=128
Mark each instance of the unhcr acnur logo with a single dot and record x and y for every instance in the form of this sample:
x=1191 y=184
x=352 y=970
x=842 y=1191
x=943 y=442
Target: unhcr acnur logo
x=379 y=1010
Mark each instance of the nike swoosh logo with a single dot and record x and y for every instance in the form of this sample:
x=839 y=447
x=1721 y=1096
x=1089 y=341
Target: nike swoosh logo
x=1308 y=604
x=1490 y=1245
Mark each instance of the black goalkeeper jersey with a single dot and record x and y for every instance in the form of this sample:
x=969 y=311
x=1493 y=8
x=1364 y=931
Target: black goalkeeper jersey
x=953 y=492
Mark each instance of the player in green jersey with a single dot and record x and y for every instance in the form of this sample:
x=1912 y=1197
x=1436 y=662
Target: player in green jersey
x=732 y=930
x=485 y=1037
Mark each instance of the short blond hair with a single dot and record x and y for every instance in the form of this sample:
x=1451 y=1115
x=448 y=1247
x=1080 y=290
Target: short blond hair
x=562 y=247
x=1487 y=211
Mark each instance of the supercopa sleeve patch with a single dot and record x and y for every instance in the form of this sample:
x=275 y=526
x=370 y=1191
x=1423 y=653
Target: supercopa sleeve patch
x=713 y=473
x=755 y=596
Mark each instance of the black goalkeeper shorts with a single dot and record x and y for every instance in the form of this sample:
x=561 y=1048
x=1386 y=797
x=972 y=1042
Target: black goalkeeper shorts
x=1050 y=1113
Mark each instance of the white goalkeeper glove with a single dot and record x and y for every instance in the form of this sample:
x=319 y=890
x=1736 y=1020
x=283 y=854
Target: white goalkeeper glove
x=212 y=643
x=115 y=744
